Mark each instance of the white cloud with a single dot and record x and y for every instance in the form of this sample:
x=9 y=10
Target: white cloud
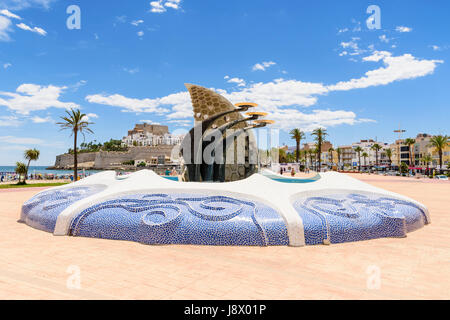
x=140 y=33
x=174 y=4
x=351 y=47
x=37 y=30
x=9 y=14
x=137 y=22
x=357 y=27
x=263 y=66
x=130 y=104
x=181 y=122
x=90 y=116
x=435 y=47
x=384 y=39
x=290 y=118
x=151 y=122
x=32 y=97
x=403 y=29
x=37 y=119
x=157 y=7
x=343 y=30
x=377 y=56
x=23 y=4
x=395 y=69
x=131 y=71
x=238 y=81
x=161 y=6
x=6 y=65
x=282 y=98
x=5 y=28
x=9 y=121
x=20 y=140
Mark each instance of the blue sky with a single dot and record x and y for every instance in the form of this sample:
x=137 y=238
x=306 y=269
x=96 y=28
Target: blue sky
x=307 y=63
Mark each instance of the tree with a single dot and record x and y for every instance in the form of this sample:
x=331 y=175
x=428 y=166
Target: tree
x=290 y=158
x=339 y=152
x=282 y=156
x=330 y=153
x=305 y=154
x=311 y=153
x=440 y=142
x=319 y=135
x=377 y=148
x=365 y=156
x=410 y=142
x=21 y=170
x=358 y=150
x=75 y=123
x=426 y=159
x=30 y=155
x=403 y=168
x=297 y=135
x=389 y=155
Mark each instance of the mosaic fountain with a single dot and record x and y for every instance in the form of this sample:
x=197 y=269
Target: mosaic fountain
x=222 y=203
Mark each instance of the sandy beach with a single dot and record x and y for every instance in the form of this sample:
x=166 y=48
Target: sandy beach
x=37 y=265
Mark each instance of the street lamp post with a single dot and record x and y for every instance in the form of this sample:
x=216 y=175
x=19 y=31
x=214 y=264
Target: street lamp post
x=399 y=131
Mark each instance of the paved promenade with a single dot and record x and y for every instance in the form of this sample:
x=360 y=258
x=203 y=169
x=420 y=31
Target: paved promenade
x=37 y=265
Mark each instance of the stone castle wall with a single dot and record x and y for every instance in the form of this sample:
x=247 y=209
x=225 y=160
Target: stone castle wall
x=109 y=159
x=66 y=160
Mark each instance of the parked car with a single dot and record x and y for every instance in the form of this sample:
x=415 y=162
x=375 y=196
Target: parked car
x=442 y=177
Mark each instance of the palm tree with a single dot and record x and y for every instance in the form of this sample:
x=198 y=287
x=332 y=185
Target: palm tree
x=426 y=159
x=319 y=134
x=330 y=152
x=311 y=153
x=297 y=135
x=305 y=154
x=358 y=149
x=440 y=142
x=409 y=142
x=75 y=123
x=30 y=155
x=339 y=152
x=365 y=156
x=282 y=156
x=21 y=170
x=389 y=155
x=377 y=148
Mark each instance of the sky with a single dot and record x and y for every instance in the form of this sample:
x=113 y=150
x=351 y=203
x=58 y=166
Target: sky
x=309 y=64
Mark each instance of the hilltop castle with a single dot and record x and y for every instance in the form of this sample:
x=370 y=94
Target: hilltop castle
x=146 y=134
x=149 y=143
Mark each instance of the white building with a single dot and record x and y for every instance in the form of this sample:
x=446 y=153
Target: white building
x=150 y=135
x=366 y=146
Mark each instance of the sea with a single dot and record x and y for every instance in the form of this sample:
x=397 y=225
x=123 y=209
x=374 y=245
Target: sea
x=43 y=170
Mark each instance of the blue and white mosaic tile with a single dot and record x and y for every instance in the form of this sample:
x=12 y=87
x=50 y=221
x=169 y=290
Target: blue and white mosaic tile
x=340 y=217
x=181 y=218
x=42 y=210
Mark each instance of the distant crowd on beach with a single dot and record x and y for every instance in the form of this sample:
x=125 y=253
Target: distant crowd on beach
x=14 y=177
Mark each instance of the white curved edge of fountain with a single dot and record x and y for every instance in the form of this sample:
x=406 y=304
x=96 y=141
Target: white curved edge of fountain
x=277 y=195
